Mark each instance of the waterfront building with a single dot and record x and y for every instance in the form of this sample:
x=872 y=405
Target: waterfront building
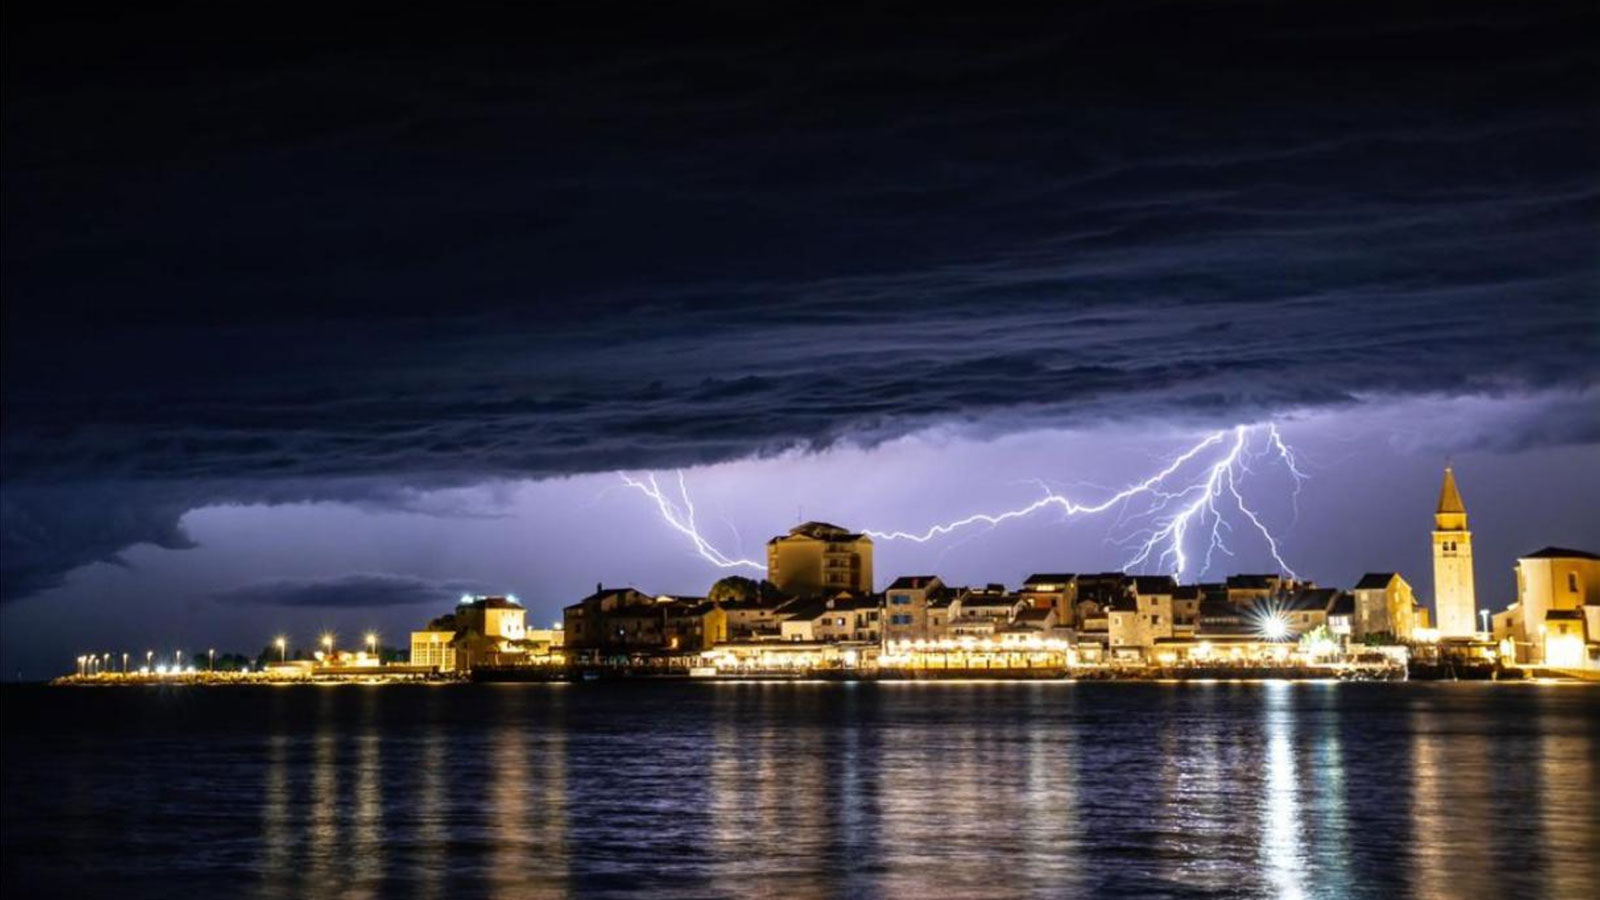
x=1247 y=591
x=1342 y=616
x=906 y=606
x=1385 y=607
x=786 y=657
x=1454 y=606
x=1035 y=620
x=433 y=647
x=1308 y=607
x=479 y=630
x=843 y=617
x=982 y=611
x=754 y=618
x=1186 y=609
x=1556 y=615
x=1053 y=590
x=694 y=623
x=939 y=612
x=817 y=558
x=584 y=623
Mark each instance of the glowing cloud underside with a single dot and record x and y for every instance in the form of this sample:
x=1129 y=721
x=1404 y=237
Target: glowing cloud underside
x=1180 y=507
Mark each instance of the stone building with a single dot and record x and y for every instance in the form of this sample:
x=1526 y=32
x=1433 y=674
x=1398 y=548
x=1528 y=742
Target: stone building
x=1454 y=605
x=1557 y=610
x=817 y=558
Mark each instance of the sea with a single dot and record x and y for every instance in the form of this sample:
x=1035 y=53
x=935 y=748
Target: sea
x=703 y=789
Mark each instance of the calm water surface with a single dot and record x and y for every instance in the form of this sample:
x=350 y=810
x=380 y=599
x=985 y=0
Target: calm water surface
x=803 y=790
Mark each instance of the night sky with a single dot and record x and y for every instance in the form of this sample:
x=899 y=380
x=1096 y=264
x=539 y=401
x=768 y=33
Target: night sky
x=318 y=322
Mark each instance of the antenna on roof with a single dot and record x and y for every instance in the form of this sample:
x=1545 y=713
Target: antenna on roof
x=799 y=513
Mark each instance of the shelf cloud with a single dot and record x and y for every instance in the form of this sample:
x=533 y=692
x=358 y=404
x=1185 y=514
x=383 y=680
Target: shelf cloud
x=679 y=250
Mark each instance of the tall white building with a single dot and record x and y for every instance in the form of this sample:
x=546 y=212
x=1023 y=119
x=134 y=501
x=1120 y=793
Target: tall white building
x=1454 y=602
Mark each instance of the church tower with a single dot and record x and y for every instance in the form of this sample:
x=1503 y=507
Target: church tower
x=1453 y=601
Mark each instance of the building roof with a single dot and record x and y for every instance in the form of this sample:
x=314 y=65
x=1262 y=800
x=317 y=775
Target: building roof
x=803 y=610
x=1120 y=603
x=1312 y=598
x=1344 y=604
x=1559 y=553
x=1034 y=615
x=912 y=582
x=1254 y=582
x=989 y=600
x=1450 y=495
x=756 y=603
x=1154 y=584
x=1374 y=581
x=1186 y=592
x=489 y=603
x=1049 y=578
x=601 y=593
x=820 y=531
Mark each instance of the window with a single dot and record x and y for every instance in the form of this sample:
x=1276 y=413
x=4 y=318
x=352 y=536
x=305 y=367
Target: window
x=1572 y=582
x=900 y=599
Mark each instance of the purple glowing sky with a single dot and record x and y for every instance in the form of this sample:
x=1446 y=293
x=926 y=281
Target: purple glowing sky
x=1373 y=470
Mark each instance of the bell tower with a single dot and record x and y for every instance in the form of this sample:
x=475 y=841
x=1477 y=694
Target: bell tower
x=1453 y=600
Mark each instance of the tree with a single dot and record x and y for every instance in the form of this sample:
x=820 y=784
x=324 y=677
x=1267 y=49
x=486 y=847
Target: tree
x=735 y=588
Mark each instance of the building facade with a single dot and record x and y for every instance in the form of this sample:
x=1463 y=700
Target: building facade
x=1455 y=607
x=906 y=607
x=1558 y=594
x=1385 y=606
x=817 y=558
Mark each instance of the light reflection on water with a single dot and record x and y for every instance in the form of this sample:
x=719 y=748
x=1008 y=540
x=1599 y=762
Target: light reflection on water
x=805 y=790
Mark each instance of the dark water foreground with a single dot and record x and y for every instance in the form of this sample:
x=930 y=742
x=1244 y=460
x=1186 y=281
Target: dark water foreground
x=804 y=790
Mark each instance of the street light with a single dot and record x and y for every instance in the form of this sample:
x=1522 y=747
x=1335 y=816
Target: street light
x=124 y=662
x=327 y=647
x=283 y=648
x=211 y=664
x=372 y=642
x=149 y=656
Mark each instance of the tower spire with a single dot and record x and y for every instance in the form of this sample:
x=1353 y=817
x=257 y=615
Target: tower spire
x=1450 y=496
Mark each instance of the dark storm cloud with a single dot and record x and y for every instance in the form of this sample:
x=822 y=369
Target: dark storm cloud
x=362 y=590
x=255 y=257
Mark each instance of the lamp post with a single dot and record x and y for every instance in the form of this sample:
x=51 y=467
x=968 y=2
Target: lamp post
x=124 y=662
x=177 y=661
x=211 y=660
x=80 y=664
x=1483 y=616
x=327 y=649
x=372 y=643
x=283 y=649
x=149 y=659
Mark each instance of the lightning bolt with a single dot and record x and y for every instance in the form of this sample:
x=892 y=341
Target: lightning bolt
x=1177 y=508
x=679 y=514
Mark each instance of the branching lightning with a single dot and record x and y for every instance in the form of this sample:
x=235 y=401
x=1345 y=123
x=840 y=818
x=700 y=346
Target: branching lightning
x=679 y=514
x=1179 y=507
